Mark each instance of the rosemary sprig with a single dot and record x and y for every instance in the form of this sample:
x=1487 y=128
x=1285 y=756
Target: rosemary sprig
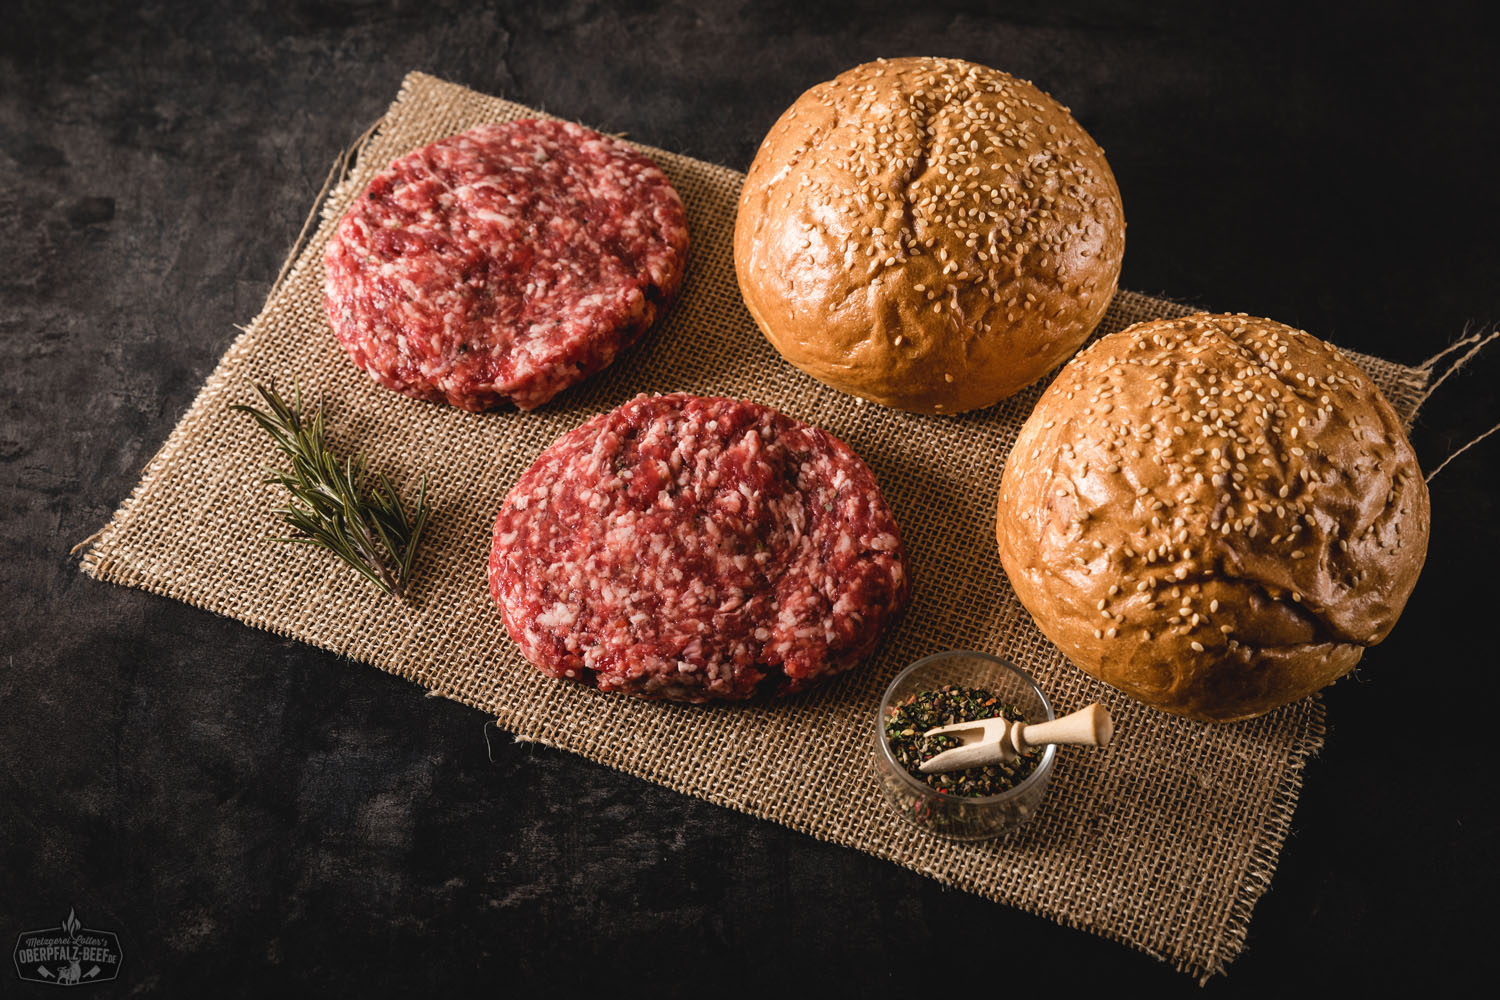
x=339 y=505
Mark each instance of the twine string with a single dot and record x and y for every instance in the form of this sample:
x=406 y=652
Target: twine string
x=338 y=172
x=1433 y=474
x=1188 y=890
x=1479 y=342
x=1475 y=343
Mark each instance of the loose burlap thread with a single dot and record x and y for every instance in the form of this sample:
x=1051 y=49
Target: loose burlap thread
x=1164 y=841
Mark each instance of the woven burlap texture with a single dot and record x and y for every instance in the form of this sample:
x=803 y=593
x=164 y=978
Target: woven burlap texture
x=1164 y=841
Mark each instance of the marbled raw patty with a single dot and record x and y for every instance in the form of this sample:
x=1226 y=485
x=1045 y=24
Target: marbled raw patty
x=504 y=264
x=693 y=549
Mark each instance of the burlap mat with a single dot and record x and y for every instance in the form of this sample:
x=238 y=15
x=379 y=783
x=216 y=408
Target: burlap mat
x=1164 y=841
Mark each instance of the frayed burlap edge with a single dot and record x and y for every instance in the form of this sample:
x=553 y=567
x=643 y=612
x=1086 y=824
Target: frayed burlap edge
x=110 y=555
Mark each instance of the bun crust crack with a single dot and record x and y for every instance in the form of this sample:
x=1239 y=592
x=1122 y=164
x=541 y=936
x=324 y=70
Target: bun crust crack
x=930 y=234
x=1215 y=514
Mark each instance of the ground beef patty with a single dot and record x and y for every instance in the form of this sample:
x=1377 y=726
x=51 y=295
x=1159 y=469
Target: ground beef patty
x=504 y=264
x=689 y=548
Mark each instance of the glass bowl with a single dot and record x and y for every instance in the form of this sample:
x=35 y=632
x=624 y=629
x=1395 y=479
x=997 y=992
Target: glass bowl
x=957 y=817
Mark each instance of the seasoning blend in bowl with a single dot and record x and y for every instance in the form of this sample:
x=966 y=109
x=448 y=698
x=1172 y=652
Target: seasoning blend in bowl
x=977 y=803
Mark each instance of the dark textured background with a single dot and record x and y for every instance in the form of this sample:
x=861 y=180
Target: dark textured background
x=251 y=814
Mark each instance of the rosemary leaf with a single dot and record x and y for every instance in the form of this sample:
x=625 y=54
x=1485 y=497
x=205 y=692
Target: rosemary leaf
x=337 y=504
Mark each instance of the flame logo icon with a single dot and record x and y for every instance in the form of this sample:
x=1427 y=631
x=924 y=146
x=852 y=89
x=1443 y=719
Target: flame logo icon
x=68 y=954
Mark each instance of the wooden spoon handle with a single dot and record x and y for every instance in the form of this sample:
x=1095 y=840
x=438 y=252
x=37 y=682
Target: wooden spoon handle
x=1091 y=727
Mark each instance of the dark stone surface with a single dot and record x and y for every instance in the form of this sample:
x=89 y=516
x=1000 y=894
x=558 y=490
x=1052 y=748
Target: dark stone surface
x=250 y=814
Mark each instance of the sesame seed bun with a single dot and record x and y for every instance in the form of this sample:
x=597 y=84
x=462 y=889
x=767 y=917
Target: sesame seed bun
x=1215 y=514
x=930 y=234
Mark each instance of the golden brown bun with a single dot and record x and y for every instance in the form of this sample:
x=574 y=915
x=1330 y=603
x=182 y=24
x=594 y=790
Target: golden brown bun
x=928 y=233
x=1214 y=514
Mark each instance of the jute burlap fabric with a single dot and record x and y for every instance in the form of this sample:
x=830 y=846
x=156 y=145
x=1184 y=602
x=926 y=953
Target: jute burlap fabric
x=1164 y=841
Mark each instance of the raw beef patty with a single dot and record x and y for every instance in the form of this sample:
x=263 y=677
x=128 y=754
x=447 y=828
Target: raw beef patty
x=504 y=264
x=689 y=548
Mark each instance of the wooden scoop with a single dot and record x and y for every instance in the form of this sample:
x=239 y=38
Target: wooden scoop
x=999 y=741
